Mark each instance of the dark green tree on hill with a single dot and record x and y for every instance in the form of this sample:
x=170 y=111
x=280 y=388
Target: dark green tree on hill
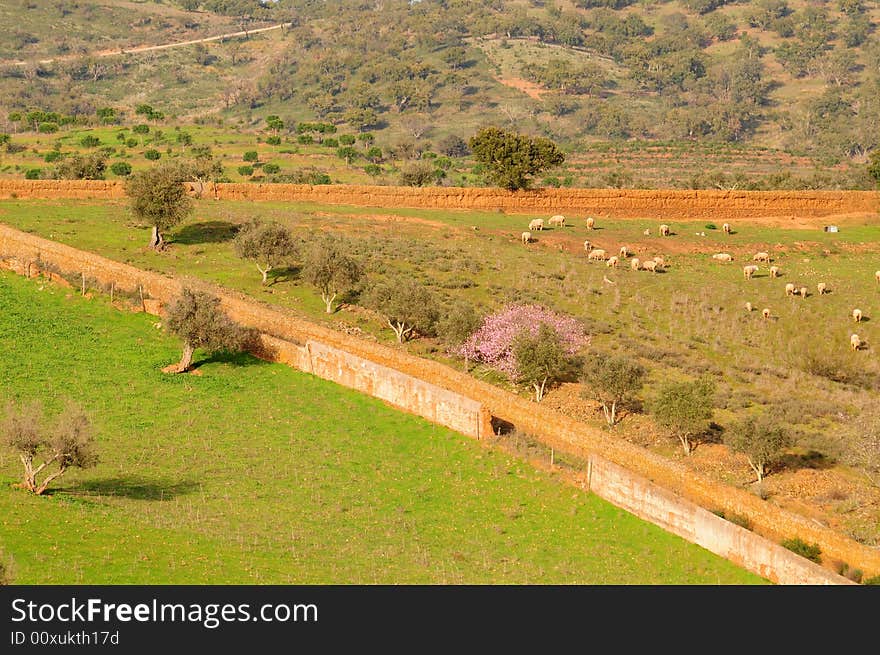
x=159 y=198
x=329 y=268
x=513 y=159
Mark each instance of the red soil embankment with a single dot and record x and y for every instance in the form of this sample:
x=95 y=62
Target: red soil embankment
x=619 y=203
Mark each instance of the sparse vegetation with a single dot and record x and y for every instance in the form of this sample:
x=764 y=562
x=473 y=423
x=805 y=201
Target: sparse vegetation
x=811 y=551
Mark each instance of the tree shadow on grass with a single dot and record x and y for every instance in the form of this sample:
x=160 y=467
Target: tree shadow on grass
x=812 y=459
x=235 y=359
x=282 y=274
x=133 y=486
x=205 y=232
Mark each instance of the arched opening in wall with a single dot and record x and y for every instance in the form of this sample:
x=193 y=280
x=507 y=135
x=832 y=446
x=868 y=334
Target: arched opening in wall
x=500 y=427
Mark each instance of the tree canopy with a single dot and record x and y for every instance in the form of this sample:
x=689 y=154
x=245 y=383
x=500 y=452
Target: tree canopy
x=513 y=159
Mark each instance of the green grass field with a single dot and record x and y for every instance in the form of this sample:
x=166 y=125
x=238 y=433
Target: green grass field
x=688 y=321
x=246 y=474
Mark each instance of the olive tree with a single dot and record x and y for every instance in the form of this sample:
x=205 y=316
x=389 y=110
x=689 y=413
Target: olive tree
x=49 y=450
x=268 y=245
x=612 y=381
x=543 y=359
x=685 y=409
x=761 y=439
x=159 y=198
x=329 y=268
x=512 y=159
x=407 y=306
x=197 y=318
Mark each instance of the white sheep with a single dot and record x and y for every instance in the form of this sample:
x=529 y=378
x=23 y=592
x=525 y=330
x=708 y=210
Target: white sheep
x=726 y=228
x=749 y=307
x=536 y=224
x=634 y=264
x=664 y=230
x=723 y=257
x=789 y=289
x=613 y=261
x=765 y=313
x=591 y=222
x=803 y=292
x=821 y=288
x=597 y=253
x=855 y=342
x=660 y=261
x=857 y=315
x=526 y=237
x=647 y=233
x=587 y=246
x=558 y=220
x=650 y=265
x=774 y=271
x=761 y=257
x=624 y=252
x=749 y=270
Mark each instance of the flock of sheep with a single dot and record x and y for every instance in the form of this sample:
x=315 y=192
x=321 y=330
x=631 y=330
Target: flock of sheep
x=655 y=264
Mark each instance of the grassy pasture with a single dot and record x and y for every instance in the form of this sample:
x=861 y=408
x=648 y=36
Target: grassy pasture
x=685 y=322
x=245 y=474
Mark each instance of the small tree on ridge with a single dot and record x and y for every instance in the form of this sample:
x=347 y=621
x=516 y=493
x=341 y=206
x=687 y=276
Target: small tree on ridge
x=268 y=245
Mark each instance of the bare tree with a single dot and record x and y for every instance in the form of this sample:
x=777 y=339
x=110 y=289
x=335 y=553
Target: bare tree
x=69 y=443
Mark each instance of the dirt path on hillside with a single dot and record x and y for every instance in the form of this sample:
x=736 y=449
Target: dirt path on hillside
x=148 y=48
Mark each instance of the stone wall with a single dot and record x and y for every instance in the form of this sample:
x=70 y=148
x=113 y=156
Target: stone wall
x=621 y=203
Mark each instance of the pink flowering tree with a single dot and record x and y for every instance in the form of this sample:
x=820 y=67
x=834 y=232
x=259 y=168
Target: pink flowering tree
x=495 y=341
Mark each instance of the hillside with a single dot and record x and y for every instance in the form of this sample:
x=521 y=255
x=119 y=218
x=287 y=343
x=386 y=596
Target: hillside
x=688 y=93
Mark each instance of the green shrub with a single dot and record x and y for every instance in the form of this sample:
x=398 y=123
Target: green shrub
x=132 y=143
x=873 y=580
x=271 y=169
x=305 y=139
x=48 y=128
x=273 y=140
x=52 y=155
x=152 y=155
x=121 y=168
x=33 y=174
x=710 y=226
x=373 y=170
x=346 y=139
x=141 y=129
x=811 y=551
x=250 y=155
x=246 y=171
x=736 y=519
x=90 y=141
x=330 y=143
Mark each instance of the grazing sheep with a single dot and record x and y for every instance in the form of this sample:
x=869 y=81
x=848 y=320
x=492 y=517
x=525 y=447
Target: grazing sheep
x=634 y=264
x=647 y=233
x=748 y=307
x=588 y=246
x=857 y=315
x=855 y=342
x=821 y=288
x=774 y=271
x=803 y=292
x=749 y=270
x=613 y=261
x=597 y=253
x=664 y=230
x=761 y=257
x=591 y=222
x=536 y=224
x=789 y=289
x=650 y=265
x=722 y=257
x=557 y=221
x=765 y=313
x=726 y=228
x=624 y=252
x=659 y=260
x=526 y=237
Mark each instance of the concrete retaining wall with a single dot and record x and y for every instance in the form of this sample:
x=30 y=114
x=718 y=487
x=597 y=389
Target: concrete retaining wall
x=622 y=203
x=652 y=487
